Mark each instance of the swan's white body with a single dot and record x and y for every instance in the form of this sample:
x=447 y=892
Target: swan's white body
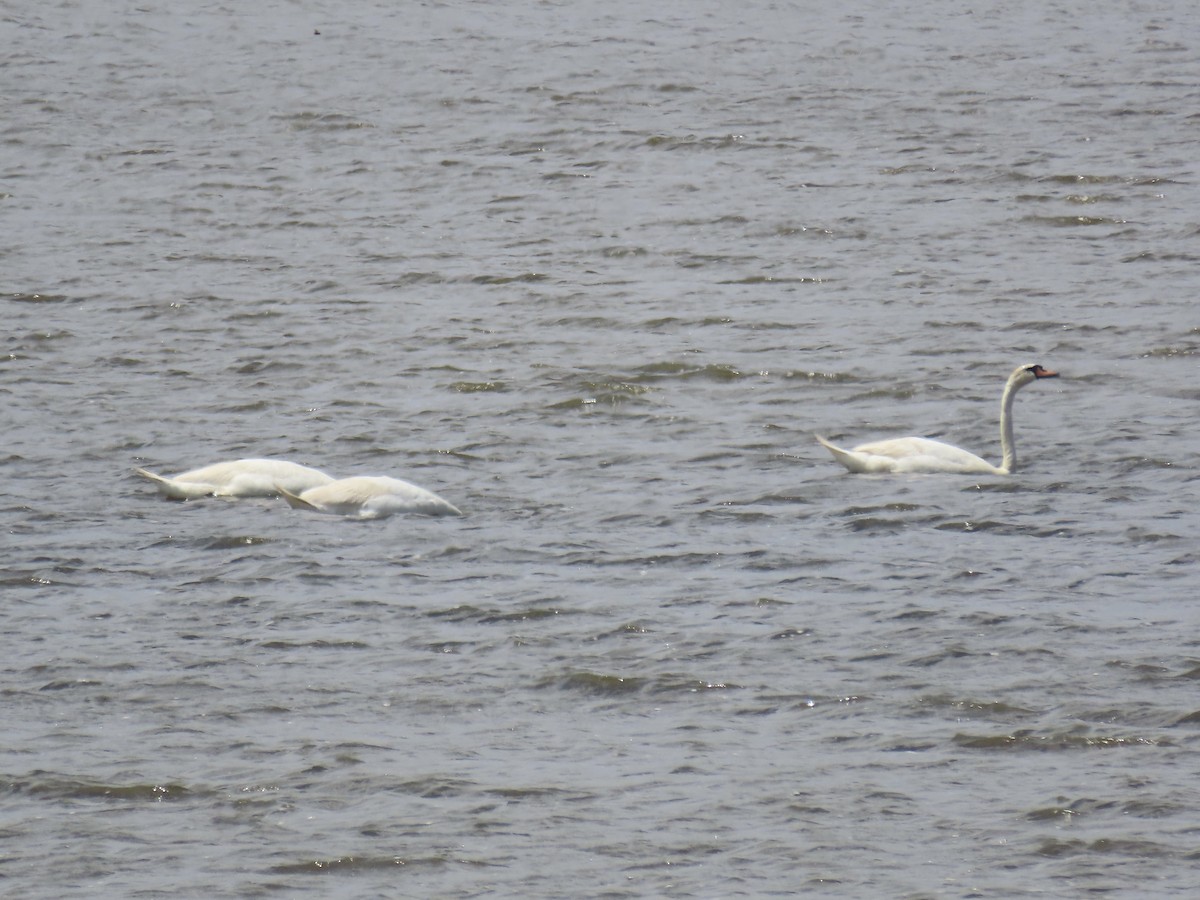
x=370 y=497
x=239 y=478
x=915 y=454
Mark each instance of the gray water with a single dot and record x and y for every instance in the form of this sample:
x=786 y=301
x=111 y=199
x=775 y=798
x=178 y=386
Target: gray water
x=596 y=273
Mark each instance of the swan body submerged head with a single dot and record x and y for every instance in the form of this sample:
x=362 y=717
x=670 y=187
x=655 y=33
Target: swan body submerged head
x=916 y=454
x=238 y=478
x=370 y=497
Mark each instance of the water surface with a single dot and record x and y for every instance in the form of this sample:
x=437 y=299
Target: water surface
x=596 y=275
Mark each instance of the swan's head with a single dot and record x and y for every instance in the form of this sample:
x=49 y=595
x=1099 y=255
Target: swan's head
x=1028 y=374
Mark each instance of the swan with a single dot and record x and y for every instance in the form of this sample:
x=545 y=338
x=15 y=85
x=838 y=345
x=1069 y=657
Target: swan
x=914 y=454
x=239 y=478
x=369 y=497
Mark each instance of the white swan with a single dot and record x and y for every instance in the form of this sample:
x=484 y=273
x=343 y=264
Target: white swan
x=239 y=478
x=370 y=497
x=914 y=454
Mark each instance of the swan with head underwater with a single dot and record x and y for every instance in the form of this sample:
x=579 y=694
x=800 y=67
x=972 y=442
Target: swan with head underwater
x=238 y=478
x=915 y=454
x=370 y=497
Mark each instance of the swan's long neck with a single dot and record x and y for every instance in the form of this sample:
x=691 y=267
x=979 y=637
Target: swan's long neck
x=1006 y=428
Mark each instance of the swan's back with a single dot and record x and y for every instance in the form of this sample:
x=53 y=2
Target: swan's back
x=917 y=454
x=909 y=455
x=239 y=478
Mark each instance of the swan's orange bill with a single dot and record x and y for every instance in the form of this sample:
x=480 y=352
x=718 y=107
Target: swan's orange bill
x=1039 y=372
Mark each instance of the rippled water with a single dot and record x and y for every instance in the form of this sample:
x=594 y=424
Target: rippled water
x=596 y=274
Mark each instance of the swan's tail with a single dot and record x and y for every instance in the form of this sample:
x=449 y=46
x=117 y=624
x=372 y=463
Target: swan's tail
x=843 y=456
x=175 y=490
x=294 y=501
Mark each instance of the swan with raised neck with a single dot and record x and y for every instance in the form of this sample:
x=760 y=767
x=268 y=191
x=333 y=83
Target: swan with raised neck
x=916 y=454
